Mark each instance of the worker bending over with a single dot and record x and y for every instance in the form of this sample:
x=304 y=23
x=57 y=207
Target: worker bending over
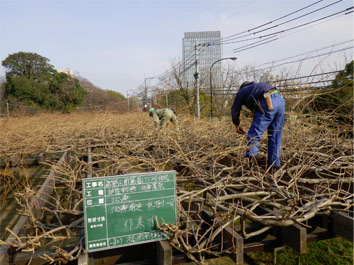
x=161 y=116
x=268 y=105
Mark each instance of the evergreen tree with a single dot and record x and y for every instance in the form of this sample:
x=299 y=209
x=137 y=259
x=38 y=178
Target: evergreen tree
x=29 y=65
x=338 y=100
x=30 y=79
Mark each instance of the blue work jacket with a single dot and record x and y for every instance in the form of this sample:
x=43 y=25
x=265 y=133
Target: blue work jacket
x=247 y=96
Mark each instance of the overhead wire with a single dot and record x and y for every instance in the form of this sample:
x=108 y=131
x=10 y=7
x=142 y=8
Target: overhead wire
x=308 y=77
x=232 y=37
x=286 y=35
x=306 y=58
x=278 y=20
x=298 y=26
x=238 y=10
x=305 y=53
x=190 y=60
x=284 y=90
x=255 y=44
x=267 y=23
x=262 y=42
x=283 y=23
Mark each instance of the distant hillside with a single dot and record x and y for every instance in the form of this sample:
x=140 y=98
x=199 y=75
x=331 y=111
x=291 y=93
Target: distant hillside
x=97 y=98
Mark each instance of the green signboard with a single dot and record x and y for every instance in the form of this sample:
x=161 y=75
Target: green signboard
x=124 y=210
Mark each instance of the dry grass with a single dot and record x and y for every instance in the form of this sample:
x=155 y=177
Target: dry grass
x=316 y=176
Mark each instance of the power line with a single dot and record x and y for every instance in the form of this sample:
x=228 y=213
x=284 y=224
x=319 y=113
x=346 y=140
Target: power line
x=285 y=22
x=265 y=24
x=274 y=34
x=300 y=60
x=305 y=53
x=295 y=78
x=239 y=9
x=250 y=46
x=306 y=83
x=286 y=90
x=304 y=59
x=219 y=42
x=345 y=11
x=232 y=37
x=307 y=76
x=171 y=71
x=184 y=62
x=280 y=37
x=269 y=36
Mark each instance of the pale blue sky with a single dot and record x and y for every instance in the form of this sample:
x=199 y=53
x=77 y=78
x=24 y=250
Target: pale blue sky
x=115 y=44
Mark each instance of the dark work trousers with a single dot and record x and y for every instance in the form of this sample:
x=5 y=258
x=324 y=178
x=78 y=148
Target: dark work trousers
x=273 y=122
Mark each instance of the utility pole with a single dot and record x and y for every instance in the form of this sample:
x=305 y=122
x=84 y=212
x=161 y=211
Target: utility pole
x=145 y=90
x=166 y=94
x=156 y=95
x=128 y=100
x=145 y=93
x=196 y=76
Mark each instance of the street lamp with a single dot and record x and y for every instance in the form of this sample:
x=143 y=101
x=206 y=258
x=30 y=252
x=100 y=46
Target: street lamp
x=211 y=82
x=130 y=105
x=145 y=90
x=128 y=100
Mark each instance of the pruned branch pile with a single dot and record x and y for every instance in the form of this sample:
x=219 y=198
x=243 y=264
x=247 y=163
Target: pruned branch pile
x=217 y=187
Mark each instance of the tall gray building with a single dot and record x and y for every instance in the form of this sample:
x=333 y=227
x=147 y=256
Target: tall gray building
x=205 y=46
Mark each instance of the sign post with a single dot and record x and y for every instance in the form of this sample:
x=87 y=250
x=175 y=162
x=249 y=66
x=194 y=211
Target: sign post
x=124 y=210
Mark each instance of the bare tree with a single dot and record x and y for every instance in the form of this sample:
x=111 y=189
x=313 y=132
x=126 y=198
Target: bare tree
x=175 y=82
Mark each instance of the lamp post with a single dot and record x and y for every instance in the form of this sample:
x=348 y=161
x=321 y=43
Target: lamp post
x=145 y=90
x=165 y=90
x=196 y=76
x=128 y=100
x=211 y=83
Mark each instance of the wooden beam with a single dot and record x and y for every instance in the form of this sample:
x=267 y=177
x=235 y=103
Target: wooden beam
x=163 y=253
x=89 y=162
x=295 y=236
x=41 y=158
x=343 y=225
x=232 y=239
x=35 y=257
x=179 y=259
x=85 y=259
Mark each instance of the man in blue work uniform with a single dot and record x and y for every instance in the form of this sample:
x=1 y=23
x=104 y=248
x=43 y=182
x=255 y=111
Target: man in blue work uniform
x=268 y=116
